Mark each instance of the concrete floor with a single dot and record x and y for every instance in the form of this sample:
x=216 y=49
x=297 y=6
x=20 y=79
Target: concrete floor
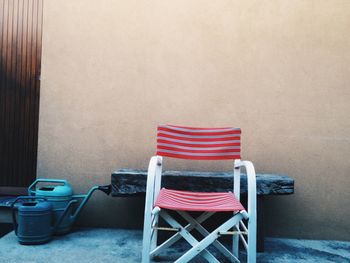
x=124 y=246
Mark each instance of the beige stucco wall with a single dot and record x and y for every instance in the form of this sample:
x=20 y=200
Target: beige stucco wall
x=280 y=70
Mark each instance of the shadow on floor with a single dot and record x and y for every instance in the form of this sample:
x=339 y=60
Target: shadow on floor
x=5 y=228
x=124 y=246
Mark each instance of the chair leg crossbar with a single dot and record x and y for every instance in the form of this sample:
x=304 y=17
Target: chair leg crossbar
x=178 y=236
x=166 y=229
x=198 y=247
x=233 y=233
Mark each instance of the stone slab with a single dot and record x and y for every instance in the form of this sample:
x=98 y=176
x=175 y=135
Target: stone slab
x=132 y=182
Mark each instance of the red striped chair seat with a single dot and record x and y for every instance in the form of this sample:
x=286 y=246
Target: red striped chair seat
x=199 y=143
x=195 y=201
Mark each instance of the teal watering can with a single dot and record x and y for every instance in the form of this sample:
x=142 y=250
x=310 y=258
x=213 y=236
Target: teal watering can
x=33 y=223
x=65 y=206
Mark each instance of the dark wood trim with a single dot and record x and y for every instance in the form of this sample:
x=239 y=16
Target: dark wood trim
x=13 y=190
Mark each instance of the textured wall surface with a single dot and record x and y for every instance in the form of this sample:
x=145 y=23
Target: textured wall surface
x=112 y=70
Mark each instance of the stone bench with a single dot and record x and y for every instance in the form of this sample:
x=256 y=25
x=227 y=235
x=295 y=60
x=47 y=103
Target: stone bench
x=132 y=182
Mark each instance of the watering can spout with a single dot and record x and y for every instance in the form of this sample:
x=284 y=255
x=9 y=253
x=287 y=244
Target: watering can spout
x=107 y=189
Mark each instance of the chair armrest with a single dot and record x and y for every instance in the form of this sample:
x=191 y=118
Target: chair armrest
x=251 y=178
x=153 y=181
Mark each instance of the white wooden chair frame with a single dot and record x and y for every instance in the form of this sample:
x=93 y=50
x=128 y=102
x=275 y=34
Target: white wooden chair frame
x=150 y=231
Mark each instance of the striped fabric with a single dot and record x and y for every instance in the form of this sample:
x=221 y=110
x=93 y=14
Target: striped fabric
x=194 y=201
x=199 y=143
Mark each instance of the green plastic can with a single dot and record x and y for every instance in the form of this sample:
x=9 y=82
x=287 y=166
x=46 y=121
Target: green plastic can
x=34 y=220
x=59 y=193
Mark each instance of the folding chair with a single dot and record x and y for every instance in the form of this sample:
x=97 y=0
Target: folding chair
x=199 y=144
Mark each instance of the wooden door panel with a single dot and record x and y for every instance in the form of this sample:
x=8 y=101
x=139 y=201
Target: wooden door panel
x=20 y=54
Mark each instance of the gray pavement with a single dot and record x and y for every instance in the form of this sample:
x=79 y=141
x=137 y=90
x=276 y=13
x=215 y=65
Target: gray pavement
x=124 y=246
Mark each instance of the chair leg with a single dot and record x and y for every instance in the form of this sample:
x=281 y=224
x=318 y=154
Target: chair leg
x=235 y=246
x=204 y=243
x=205 y=233
x=251 y=252
x=147 y=236
x=235 y=243
x=189 y=227
x=189 y=238
x=154 y=233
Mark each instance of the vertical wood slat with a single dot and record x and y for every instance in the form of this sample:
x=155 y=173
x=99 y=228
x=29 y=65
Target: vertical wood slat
x=12 y=86
x=20 y=59
x=21 y=154
x=32 y=77
x=4 y=83
x=19 y=38
x=2 y=80
x=37 y=83
x=27 y=90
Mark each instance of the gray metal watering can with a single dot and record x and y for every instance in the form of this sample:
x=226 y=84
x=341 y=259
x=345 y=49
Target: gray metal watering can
x=65 y=206
x=33 y=223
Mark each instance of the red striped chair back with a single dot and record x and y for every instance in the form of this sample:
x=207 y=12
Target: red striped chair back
x=199 y=143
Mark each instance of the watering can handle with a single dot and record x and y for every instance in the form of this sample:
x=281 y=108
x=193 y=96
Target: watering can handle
x=15 y=225
x=31 y=188
x=71 y=202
